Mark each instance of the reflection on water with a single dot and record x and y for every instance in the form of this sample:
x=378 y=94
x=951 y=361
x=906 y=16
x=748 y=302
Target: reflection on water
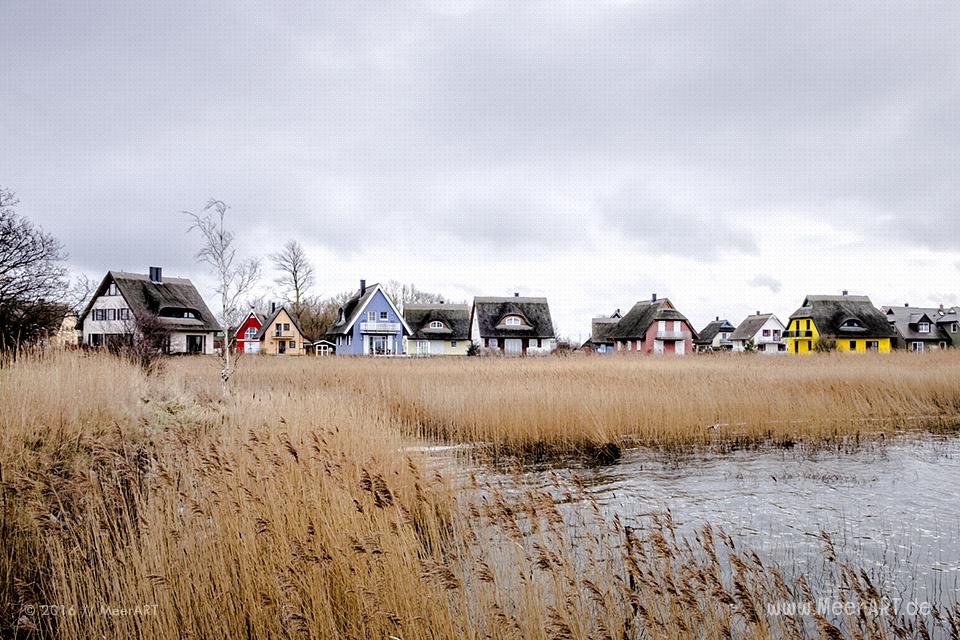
x=893 y=506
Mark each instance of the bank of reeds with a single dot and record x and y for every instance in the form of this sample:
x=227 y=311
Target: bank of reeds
x=154 y=508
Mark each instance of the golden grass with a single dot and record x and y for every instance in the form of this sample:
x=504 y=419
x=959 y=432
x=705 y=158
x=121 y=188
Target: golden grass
x=289 y=509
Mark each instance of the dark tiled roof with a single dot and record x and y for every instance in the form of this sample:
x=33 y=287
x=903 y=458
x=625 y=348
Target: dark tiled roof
x=906 y=322
x=350 y=309
x=750 y=325
x=709 y=332
x=534 y=311
x=634 y=325
x=146 y=297
x=455 y=319
x=829 y=313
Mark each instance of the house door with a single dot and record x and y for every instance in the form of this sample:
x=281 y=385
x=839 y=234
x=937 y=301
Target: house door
x=195 y=344
x=282 y=347
x=378 y=345
x=513 y=346
x=681 y=347
x=658 y=346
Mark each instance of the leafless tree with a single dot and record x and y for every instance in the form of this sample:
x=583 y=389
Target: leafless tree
x=296 y=272
x=79 y=293
x=404 y=294
x=147 y=339
x=32 y=278
x=235 y=278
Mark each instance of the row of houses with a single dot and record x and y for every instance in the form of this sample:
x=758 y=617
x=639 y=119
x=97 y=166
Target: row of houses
x=843 y=323
x=371 y=323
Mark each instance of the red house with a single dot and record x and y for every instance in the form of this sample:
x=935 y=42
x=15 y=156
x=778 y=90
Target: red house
x=653 y=326
x=246 y=334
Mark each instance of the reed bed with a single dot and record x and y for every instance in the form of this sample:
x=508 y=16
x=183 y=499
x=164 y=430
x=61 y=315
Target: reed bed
x=152 y=507
x=561 y=405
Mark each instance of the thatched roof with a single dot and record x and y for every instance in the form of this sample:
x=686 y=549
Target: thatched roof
x=169 y=300
x=709 y=332
x=533 y=312
x=634 y=325
x=454 y=317
x=847 y=316
x=750 y=325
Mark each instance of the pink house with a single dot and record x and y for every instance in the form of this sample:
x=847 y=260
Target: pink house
x=653 y=326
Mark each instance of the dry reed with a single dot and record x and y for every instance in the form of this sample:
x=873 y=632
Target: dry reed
x=154 y=508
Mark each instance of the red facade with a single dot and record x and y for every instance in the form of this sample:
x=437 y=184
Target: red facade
x=251 y=322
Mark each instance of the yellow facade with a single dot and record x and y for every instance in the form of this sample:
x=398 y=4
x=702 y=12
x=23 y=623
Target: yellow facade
x=282 y=337
x=803 y=335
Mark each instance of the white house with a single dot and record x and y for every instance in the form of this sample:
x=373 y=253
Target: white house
x=124 y=298
x=764 y=330
x=512 y=326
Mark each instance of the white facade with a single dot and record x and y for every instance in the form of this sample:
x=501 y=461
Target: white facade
x=110 y=315
x=767 y=339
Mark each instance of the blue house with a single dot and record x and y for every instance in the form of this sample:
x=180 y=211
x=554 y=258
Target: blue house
x=369 y=323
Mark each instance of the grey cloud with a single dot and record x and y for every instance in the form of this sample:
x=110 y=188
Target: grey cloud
x=766 y=281
x=324 y=120
x=665 y=228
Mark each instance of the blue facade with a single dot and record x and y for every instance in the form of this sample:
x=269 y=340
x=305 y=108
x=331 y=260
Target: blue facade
x=378 y=330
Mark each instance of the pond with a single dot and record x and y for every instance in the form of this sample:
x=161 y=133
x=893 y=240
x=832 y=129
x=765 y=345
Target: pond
x=891 y=506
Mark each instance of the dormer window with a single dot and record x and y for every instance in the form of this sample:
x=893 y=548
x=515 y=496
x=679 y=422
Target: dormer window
x=923 y=327
x=112 y=290
x=436 y=324
x=512 y=321
x=851 y=324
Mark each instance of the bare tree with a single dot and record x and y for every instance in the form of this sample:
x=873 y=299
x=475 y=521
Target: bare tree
x=404 y=294
x=147 y=339
x=32 y=278
x=235 y=278
x=296 y=272
x=79 y=293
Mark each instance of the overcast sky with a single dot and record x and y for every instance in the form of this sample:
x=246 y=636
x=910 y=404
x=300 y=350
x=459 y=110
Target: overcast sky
x=732 y=156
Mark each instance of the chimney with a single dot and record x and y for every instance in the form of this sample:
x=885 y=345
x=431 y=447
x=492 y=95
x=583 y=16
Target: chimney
x=516 y=294
x=906 y=304
x=758 y=311
x=653 y=297
x=717 y=319
x=156 y=274
x=845 y=292
x=363 y=287
x=273 y=307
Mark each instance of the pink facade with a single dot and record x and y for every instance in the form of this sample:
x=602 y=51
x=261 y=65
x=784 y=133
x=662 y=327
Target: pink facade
x=667 y=337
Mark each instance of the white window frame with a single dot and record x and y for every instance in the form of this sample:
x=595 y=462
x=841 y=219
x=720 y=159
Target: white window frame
x=917 y=346
x=371 y=316
x=436 y=324
x=250 y=333
x=512 y=321
x=923 y=327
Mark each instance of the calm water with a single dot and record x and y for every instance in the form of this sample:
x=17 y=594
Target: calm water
x=893 y=507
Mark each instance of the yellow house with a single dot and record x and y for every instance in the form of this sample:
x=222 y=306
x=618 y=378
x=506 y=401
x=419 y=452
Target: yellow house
x=841 y=323
x=281 y=334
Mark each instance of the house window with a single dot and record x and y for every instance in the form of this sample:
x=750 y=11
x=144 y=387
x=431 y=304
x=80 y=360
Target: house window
x=807 y=328
x=676 y=326
x=492 y=343
x=293 y=344
x=766 y=333
x=661 y=325
x=249 y=334
x=852 y=323
x=924 y=327
x=436 y=324
x=95 y=339
x=916 y=346
x=512 y=321
x=383 y=315
x=111 y=314
x=423 y=347
x=853 y=345
x=123 y=314
x=943 y=345
x=953 y=327
x=349 y=339
x=873 y=345
x=112 y=290
x=371 y=316
x=453 y=343
x=286 y=326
